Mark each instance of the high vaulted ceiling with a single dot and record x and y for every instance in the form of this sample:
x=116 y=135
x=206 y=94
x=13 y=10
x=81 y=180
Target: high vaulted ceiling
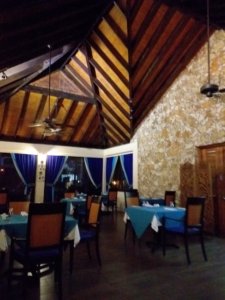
x=111 y=61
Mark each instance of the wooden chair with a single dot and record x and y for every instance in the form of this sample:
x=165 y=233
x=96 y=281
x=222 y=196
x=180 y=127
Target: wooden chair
x=111 y=202
x=3 y=202
x=69 y=195
x=90 y=231
x=191 y=225
x=131 y=198
x=170 y=198
x=81 y=213
x=19 y=206
x=41 y=252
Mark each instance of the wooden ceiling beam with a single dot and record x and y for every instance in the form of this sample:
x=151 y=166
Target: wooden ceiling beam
x=111 y=47
x=88 y=56
x=22 y=112
x=157 y=64
x=4 y=115
x=141 y=62
x=109 y=63
x=60 y=94
x=116 y=28
x=117 y=128
x=75 y=77
x=79 y=123
x=111 y=97
x=187 y=50
x=108 y=78
x=113 y=114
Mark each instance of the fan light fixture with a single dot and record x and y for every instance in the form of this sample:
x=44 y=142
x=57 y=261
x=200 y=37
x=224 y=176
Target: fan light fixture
x=209 y=88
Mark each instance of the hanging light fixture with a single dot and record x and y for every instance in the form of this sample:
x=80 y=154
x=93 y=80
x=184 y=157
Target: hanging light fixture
x=209 y=88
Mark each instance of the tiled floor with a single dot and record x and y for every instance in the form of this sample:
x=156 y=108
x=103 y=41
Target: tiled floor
x=132 y=272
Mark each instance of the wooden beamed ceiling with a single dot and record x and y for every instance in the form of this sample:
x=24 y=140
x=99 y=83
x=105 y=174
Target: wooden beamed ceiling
x=112 y=62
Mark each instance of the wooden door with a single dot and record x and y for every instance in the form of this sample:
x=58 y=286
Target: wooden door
x=214 y=157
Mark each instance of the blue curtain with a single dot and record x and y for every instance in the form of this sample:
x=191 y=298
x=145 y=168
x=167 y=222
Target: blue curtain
x=94 y=170
x=54 y=167
x=25 y=165
x=127 y=166
x=110 y=169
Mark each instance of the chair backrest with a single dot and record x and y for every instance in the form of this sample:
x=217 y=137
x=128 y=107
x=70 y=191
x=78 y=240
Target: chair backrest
x=19 y=206
x=88 y=202
x=3 y=202
x=45 y=226
x=94 y=213
x=69 y=195
x=96 y=199
x=195 y=211
x=170 y=198
x=3 y=198
x=112 y=195
x=131 y=198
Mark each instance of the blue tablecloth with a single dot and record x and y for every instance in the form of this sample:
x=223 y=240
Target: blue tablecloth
x=16 y=225
x=76 y=202
x=141 y=217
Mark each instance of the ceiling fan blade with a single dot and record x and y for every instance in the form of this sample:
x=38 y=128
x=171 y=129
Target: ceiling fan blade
x=222 y=90
x=36 y=124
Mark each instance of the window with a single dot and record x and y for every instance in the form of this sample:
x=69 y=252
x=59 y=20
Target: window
x=74 y=178
x=119 y=181
x=15 y=187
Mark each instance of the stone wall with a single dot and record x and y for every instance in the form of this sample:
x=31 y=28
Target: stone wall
x=182 y=120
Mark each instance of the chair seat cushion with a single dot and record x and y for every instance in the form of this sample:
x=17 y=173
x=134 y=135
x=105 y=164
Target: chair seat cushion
x=37 y=255
x=181 y=229
x=86 y=234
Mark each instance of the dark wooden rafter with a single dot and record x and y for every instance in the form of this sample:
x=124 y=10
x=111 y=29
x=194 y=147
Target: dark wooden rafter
x=145 y=23
x=130 y=87
x=115 y=28
x=78 y=80
x=141 y=63
x=70 y=115
x=122 y=133
x=93 y=135
x=93 y=130
x=109 y=62
x=23 y=83
x=110 y=46
x=165 y=51
x=22 y=112
x=58 y=105
x=60 y=94
x=88 y=55
x=113 y=114
x=110 y=81
x=80 y=122
x=39 y=115
x=5 y=115
x=111 y=97
x=112 y=141
x=167 y=78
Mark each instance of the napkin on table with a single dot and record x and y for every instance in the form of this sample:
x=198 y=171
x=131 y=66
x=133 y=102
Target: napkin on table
x=155 y=223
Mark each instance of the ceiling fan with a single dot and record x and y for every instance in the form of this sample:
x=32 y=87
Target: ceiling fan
x=210 y=89
x=49 y=123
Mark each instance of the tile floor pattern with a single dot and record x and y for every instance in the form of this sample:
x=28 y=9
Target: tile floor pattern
x=133 y=272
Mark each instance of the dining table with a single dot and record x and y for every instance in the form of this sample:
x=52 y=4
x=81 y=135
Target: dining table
x=74 y=203
x=141 y=217
x=16 y=226
x=151 y=200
